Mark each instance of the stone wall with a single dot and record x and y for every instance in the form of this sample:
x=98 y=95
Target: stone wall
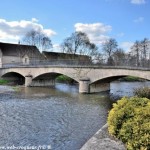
x=103 y=141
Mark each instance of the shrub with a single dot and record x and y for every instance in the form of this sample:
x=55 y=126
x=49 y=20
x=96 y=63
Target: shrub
x=142 y=92
x=131 y=79
x=3 y=82
x=129 y=121
x=64 y=79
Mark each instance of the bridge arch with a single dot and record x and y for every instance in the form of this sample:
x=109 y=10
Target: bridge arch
x=52 y=75
x=14 y=78
x=102 y=82
x=108 y=79
x=47 y=79
x=112 y=74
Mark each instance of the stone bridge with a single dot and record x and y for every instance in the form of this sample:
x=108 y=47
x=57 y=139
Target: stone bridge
x=91 y=79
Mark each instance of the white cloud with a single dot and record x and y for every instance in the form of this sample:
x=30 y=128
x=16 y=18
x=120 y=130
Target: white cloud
x=97 y=32
x=126 y=45
x=14 y=30
x=138 y=2
x=138 y=20
x=35 y=20
x=56 y=48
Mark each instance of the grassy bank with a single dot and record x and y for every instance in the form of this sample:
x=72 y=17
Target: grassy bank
x=131 y=79
x=65 y=79
x=4 y=82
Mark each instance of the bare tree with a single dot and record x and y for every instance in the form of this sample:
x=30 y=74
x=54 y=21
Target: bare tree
x=38 y=39
x=98 y=59
x=79 y=43
x=119 y=57
x=144 y=51
x=135 y=51
x=109 y=47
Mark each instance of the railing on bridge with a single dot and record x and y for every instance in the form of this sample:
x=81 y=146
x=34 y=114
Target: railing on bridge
x=53 y=62
x=72 y=62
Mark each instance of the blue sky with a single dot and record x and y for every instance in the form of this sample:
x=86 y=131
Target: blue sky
x=124 y=20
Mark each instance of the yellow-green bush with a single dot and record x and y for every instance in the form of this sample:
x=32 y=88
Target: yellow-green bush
x=129 y=121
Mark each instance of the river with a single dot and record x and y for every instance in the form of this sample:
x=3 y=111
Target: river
x=58 y=117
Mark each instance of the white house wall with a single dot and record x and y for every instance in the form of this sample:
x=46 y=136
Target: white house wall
x=10 y=60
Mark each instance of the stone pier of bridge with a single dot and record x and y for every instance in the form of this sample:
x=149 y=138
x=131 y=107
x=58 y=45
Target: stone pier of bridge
x=86 y=87
x=29 y=82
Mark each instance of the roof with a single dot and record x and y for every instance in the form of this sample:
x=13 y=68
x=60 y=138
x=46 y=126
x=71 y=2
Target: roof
x=58 y=55
x=19 y=50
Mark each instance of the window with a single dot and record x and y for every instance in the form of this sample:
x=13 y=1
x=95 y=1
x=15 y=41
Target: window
x=26 y=60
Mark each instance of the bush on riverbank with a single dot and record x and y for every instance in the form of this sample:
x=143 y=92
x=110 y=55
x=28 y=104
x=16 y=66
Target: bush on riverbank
x=131 y=79
x=3 y=82
x=142 y=92
x=129 y=121
x=64 y=79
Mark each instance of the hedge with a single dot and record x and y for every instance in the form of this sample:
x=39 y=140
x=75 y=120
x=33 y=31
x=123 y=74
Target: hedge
x=129 y=121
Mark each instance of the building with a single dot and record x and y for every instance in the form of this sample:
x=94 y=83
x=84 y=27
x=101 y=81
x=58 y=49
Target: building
x=18 y=54
x=14 y=54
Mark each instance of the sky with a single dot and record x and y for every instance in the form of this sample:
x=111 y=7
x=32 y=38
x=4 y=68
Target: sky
x=124 y=20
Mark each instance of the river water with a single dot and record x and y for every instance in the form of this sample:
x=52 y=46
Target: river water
x=59 y=117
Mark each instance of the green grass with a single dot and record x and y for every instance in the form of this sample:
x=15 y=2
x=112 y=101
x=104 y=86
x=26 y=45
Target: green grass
x=3 y=82
x=64 y=79
x=131 y=79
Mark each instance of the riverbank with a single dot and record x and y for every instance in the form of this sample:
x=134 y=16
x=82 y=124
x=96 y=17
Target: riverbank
x=103 y=141
x=131 y=79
